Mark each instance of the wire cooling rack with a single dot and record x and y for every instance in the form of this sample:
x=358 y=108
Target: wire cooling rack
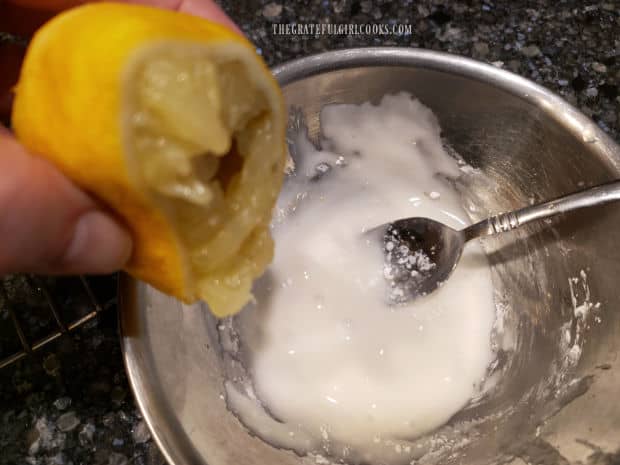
x=58 y=326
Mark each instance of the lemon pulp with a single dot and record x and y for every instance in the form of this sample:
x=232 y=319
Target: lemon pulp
x=197 y=132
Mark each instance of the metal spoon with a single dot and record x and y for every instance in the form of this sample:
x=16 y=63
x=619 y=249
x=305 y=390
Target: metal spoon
x=420 y=253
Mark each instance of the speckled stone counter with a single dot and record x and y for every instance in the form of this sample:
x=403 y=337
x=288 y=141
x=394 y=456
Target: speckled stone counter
x=71 y=404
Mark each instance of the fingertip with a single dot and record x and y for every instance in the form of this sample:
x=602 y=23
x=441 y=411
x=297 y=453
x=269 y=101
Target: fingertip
x=209 y=10
x=206 y=9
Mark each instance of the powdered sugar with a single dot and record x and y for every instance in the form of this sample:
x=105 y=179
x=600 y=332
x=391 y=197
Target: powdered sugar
x=353 y=377
x=404 y=268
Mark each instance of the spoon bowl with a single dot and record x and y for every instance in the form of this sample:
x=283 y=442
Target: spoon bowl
x=420 y=255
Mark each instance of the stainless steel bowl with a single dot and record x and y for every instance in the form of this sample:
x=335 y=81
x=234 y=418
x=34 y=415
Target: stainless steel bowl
x=549 y=406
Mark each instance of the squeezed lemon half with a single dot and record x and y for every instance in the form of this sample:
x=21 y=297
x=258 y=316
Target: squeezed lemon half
x=176 y=124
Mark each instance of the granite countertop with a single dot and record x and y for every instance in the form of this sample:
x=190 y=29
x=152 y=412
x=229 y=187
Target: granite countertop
x=71 y=404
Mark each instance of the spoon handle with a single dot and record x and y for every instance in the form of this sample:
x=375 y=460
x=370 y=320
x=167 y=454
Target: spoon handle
x=508 y=221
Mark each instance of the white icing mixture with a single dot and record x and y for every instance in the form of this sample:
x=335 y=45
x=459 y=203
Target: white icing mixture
x=343 y=372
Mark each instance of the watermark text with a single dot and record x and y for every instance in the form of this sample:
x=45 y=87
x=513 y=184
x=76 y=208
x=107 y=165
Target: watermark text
x=340 y=29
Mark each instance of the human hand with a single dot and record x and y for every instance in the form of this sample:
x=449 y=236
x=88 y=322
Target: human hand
x=47 y=224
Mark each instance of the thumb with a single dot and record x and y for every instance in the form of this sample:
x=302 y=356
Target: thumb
x=48 y=225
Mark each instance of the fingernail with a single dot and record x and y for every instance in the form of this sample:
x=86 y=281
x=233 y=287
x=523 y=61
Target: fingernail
x=99 y=245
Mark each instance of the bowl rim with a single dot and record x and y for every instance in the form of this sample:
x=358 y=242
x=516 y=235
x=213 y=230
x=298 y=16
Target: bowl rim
x=173 y=444
x=550 y=103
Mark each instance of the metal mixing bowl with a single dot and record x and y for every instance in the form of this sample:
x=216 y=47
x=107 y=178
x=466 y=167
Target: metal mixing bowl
x=549 y=405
